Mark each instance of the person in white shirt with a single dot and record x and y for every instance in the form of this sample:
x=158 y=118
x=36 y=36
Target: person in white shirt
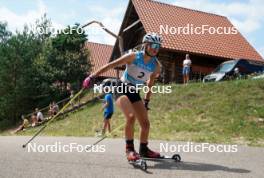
x=186 y=69
x=40 y=116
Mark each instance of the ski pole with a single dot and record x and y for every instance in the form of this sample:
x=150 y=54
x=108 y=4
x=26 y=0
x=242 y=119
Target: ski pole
x=42 y=128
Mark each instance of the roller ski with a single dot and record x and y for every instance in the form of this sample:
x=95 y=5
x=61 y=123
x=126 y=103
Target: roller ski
x=175 y=157
x=147 y=154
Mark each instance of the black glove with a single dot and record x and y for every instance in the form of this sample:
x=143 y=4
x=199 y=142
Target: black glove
x=146 y=102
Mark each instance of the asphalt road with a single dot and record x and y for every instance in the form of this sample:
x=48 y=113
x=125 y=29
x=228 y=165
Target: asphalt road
x=108 y=160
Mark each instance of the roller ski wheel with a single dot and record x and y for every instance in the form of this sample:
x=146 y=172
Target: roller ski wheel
x=140 y=163
x=176 y=157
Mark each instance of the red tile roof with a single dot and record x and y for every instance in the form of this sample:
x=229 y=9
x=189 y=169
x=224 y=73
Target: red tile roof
x=152 y=14
x=100 y=55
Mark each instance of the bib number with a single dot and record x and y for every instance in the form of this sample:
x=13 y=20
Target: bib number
x=142 y=74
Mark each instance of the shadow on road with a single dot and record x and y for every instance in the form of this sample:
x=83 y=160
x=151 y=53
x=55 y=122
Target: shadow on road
x=192 y=166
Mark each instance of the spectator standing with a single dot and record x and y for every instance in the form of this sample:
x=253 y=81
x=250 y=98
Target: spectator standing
x=186 y=69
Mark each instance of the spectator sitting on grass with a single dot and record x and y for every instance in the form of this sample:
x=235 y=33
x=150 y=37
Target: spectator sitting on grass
x=40 y=117
x=24 y=125
x=55 y=108
x=50 y=110
x=34 y=119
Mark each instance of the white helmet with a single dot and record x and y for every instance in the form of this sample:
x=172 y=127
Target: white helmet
x=152 y=38
x=109 y=83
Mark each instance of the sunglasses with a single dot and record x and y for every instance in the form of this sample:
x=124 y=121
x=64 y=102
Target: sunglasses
x=155 y=46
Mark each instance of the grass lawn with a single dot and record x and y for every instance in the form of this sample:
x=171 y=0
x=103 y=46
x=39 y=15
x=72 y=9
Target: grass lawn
x=224 y=112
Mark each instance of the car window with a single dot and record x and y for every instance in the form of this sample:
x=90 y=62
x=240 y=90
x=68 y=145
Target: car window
x=225 y=67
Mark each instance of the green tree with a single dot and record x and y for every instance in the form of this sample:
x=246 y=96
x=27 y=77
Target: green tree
x=32 y=62
x=17 y=56
x=4 y=33
x=70 y=59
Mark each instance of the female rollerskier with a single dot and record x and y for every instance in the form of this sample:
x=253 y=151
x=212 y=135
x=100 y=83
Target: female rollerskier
x=141 y=67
